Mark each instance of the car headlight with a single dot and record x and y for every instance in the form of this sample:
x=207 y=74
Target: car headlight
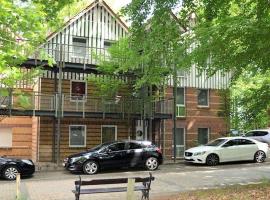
x=28 y=162
x=75 y=159
x=199 y=153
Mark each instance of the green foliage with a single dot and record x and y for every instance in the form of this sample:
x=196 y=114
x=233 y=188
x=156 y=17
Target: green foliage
x=229 y=35
x=23 y=27
x=251 y=101
x=107 y=87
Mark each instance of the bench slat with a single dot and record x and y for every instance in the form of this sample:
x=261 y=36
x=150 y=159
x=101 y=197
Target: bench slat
x=106 y=190
x=113 y=181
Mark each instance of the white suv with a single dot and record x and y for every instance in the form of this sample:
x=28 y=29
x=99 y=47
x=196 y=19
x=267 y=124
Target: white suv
x=262 y=135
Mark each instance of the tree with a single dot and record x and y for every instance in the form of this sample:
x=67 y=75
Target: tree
x=23 y=27
x=229 y=35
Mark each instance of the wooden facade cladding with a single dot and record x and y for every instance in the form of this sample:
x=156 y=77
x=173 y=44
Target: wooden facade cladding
x=93 y=135
x=21 y=128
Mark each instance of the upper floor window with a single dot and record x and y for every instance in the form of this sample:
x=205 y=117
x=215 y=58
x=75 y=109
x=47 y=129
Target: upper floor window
x=203 y=97
x=79 y=47
x=108 y=43
x=180 y=102
x=78 y=90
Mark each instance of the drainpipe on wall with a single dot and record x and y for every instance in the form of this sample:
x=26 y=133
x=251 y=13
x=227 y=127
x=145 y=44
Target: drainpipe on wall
x=174 y=112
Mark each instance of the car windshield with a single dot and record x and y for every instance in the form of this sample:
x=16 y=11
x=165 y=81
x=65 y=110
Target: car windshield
x=216 y=142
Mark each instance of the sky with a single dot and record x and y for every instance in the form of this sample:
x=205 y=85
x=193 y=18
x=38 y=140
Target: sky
x=117 y=4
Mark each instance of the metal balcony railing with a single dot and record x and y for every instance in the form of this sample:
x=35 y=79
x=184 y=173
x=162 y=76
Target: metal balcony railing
x=73 y=53
x=56 y=104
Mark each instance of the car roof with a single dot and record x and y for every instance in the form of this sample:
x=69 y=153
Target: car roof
x=234 y=137
x=260 y=130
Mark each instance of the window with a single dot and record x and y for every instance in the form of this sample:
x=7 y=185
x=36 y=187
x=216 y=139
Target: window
x=181 y=73
x=180 y=102
x=260 y=133
x=108 y=43
x=231 y=143
x=203 y=97
x=77 y=135
x=79 y=47
x=117 y=147
x=5 y=137
x=133 y=145
x=203 y=135
x=78 y=90
x=249 y=134
x=245 y=142
x=109 y=133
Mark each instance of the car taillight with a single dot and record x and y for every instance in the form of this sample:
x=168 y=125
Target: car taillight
x=159 y=150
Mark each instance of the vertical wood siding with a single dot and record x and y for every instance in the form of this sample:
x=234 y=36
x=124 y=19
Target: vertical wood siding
x=96 y=25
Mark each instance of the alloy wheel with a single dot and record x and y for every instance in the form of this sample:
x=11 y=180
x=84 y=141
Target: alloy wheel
x=212 y=160
x=151 y=163
x=259 y=156
x=10 y=173
x=90 y=167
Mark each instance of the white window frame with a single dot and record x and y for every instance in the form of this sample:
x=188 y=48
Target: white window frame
x=85 y=132
x=10 y=139
x=181 y=105
x=184 y=142
x=109 y=126
x=70 y=91
x=208 y=134
x=86 y=47
x=208 y=96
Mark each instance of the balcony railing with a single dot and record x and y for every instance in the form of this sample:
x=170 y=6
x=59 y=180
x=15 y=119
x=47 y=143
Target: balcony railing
x=72 y=53
x=59 y=105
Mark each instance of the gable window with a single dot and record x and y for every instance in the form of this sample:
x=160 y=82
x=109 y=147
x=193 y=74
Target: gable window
x=203 y=135
x=180 y=102
x=108 y=43
x=5 y=137
x=78 y=90
x=77 y=135
x=203 y=97
x=79 y=47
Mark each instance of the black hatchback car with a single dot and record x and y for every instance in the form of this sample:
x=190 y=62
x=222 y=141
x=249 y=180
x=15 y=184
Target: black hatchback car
x=118 y=154
x=9 y=167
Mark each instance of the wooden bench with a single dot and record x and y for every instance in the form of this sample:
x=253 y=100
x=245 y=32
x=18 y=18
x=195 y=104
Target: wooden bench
x=144 y=188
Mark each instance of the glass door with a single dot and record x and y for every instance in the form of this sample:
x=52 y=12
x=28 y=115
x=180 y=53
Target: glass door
x=180 y=143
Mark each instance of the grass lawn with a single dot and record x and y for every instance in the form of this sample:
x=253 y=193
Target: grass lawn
x=238 y=192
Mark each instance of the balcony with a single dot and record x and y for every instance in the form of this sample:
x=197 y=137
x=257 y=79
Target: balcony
x=37 y=104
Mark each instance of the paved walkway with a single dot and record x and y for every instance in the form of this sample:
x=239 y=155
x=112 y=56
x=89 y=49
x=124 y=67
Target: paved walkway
x=170 y=179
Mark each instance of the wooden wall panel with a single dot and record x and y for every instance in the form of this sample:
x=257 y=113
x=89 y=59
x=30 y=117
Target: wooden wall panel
x=21 y=137
x=93 y=134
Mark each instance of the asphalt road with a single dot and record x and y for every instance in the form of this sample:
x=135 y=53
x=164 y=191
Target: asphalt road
x=170 y=179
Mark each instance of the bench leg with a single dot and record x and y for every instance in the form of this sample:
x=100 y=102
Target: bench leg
x=145 y=195
x=77 y=197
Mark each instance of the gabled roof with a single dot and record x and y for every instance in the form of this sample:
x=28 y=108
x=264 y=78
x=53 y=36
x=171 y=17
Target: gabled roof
x=85 y=10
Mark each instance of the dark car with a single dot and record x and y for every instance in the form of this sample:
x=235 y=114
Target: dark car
x=9 y=167
x=114 y=155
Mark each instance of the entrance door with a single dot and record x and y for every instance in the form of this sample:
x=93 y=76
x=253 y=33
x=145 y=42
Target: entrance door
x=180 y=143
x=109 y=133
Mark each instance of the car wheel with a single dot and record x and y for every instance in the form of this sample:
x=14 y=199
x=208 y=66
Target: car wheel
x=10 y=172
x=212 y=160
x=90 y=167
x=259 y=157
x=151 y=163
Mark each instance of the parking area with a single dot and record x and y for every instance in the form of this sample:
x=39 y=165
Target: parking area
x=170 y=179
